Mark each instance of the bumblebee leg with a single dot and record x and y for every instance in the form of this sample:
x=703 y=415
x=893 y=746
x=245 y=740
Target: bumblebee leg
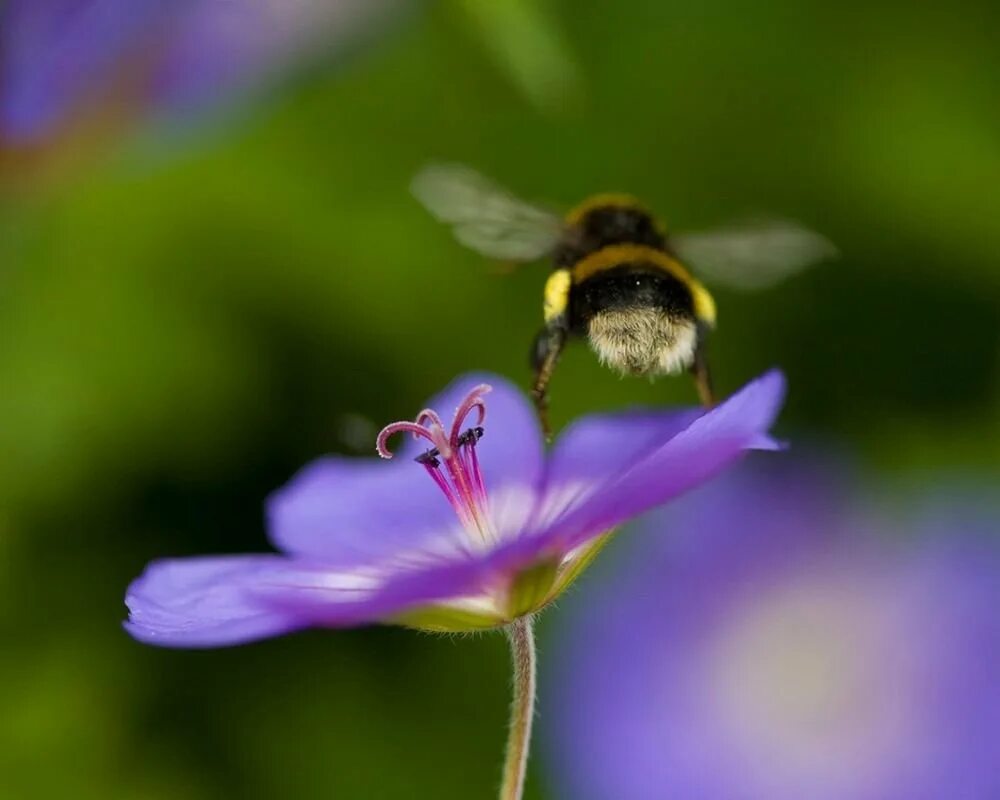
x=703 y=376
x=550 y=342
x=548 y=347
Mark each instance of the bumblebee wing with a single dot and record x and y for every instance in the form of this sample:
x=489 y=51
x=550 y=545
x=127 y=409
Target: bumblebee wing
x=485 y=216
x=753 y=255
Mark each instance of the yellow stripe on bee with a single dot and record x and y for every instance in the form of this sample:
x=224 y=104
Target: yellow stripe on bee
x=704 y=303
x=616 y=255
x=556 y=296
x=613 y=199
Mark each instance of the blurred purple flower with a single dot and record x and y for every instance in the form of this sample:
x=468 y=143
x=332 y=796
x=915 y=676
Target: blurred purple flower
x=60 y=57
x=778 y=645
x=473 y=527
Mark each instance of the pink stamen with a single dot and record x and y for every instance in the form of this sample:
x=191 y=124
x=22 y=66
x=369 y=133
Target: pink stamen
x=476 y=471
x=399 y=427
x=429 y=414
x=436 y=427
x=461 y=479
x=473 y=400
x=438 y=478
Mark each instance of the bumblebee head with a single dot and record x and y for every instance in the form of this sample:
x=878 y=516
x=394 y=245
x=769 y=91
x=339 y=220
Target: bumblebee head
x=643 y=340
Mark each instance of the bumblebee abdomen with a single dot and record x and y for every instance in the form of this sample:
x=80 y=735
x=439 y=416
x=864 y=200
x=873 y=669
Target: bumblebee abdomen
x=639 y=320
x=653 y=261
x=629 y=286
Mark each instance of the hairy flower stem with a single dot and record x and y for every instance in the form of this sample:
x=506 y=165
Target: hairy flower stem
x=521 y=636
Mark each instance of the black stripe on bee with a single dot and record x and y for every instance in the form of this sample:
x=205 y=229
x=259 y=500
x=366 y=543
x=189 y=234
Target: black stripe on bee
x=604 y=225
x=629 y=286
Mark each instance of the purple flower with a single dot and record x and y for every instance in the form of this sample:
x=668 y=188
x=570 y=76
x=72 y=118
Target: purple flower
x=782 y=641
x=58 y=57
x=471 y=526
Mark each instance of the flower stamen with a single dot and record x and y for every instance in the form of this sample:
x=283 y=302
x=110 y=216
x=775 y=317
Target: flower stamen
x=473 y=401
x=452 y=461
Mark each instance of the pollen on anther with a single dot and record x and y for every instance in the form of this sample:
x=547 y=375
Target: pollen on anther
x=429 y=458
x=472 y=435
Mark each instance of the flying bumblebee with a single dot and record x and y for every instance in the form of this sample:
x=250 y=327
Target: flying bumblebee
x=618 y=279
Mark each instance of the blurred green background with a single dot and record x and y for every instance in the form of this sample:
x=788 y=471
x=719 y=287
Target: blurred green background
x=186 y=320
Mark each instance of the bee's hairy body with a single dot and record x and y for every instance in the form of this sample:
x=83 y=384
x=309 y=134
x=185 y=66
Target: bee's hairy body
x=617 y=283
x=606 y=219
x=638 y=321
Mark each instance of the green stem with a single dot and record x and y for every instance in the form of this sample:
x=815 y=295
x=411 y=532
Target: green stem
x=521 y=635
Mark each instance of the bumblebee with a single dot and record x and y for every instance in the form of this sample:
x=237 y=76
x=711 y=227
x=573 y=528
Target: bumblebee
x=618 y=279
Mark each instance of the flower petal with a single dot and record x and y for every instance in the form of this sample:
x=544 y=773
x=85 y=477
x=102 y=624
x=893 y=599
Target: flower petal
x=206 y=602
x=705 y=631
x=224 y=49
x=227 y=600
x=56 y=54
x=353 y=511
x=61 y=57
x=605 y=470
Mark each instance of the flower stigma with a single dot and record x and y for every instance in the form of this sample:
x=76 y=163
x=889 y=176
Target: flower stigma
x=451 y=461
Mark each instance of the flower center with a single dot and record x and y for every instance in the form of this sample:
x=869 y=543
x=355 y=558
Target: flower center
x=451 y=461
